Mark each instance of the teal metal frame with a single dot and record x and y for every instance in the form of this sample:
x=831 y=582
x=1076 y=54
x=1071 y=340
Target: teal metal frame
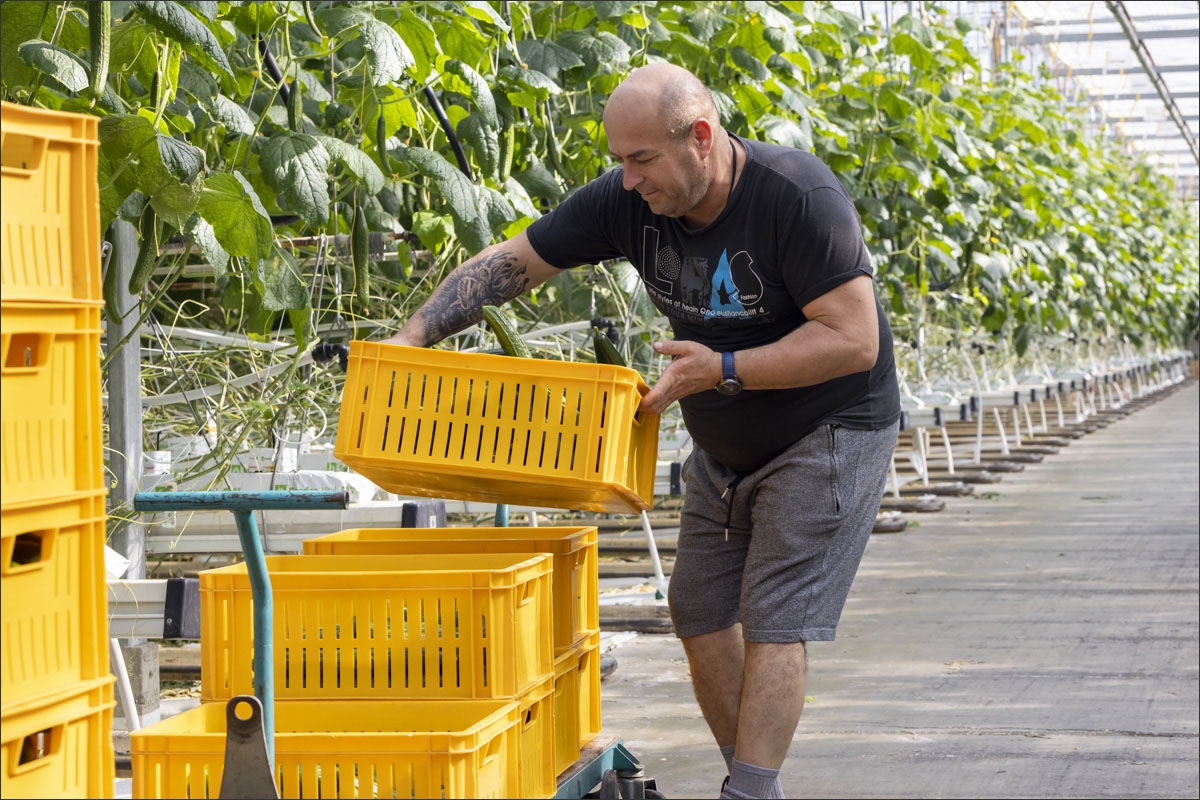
x=243 y=505
x=589 y=774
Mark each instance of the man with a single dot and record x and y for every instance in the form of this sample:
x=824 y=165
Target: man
x=783 y=368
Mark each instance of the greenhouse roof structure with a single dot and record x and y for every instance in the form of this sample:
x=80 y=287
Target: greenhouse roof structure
x=1135 y=64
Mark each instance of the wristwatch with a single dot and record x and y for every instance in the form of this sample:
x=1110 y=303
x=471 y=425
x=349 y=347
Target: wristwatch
x=730 y=384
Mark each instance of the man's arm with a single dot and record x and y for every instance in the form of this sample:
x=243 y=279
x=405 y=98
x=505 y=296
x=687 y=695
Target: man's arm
x=840 y=338
x=494 y=276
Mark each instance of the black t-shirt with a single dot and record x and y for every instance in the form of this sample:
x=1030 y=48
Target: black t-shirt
x=788 y=235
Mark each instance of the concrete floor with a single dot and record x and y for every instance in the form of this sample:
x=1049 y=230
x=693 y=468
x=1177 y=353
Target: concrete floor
x=1036 y=642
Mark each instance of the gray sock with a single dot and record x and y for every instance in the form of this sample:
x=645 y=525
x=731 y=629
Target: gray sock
x=727 y=753
x=748 y=781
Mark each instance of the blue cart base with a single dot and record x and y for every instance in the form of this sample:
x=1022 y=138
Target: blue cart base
x=606 y=770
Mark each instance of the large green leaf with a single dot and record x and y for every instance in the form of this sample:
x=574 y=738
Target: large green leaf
x=230 y=114
x=22 y=23
x=387 y=53
x=206 y=239
x=184 y=27
x=539 y=82
x=176 y=202
x=55 y=62
x=423 y=43
x=457 y=192
x=356 y=162
x=538 y=180
x=282 y=285
x=183 y=161
x=741 y=58
x=602 y=52
x=483 y=140
x=156 y=160
x=481 y=93
x=499 y=211
x=546 y=56
x=239 y=221
x=296 y=167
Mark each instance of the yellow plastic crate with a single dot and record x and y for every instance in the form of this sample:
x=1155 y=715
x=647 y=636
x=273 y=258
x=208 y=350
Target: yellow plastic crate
x=566 y=710
x=589 y=689
x=536 y=741
x=344 y=748
x=575 y=577
x=492 y=428
x=50 y=401
x=61 y=747
x=50 y=199
x=379 y=627
x=52 y=601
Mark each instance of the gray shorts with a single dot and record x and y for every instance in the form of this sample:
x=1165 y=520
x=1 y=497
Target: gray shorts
x=797 y=528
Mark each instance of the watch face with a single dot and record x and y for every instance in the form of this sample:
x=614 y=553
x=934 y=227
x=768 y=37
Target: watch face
x=729 y=386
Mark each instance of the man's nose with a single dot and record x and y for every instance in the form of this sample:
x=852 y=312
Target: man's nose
x=630 y=179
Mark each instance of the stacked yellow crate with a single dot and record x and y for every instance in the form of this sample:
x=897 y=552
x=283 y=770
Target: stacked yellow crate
x=425 y=675
x=56 y=711
x=575 y=610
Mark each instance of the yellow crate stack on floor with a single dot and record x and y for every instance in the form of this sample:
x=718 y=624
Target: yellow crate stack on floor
x=447 y=641
x=55 y=682
x=575 y=609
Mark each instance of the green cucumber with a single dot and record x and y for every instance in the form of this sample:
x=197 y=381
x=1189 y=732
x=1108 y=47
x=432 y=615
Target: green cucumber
x=99 y=31
x=147 y=255
x=358 y=250
x=381 y=146
x=295 y=108
x=512 y=344
x=606 y=351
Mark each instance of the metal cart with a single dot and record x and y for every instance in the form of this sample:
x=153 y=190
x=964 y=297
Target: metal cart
x=605 y=769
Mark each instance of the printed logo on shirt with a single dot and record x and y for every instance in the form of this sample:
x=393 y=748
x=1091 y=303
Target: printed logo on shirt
x=689 y=288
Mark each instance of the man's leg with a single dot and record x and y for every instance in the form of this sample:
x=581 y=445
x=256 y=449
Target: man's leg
x=716 y=664
x=772 y=698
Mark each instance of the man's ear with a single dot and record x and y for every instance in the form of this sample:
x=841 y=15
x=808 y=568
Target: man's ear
x=702 y=137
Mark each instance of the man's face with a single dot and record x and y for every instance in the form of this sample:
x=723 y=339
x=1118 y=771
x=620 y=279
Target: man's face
x=666 y=171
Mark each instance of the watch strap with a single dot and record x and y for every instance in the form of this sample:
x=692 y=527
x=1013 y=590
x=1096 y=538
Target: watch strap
x=727 y=370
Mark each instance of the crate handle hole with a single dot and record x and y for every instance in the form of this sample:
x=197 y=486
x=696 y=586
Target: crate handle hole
x=37 y=747
x=21 y=152
x=27 y=551
x=25 y=352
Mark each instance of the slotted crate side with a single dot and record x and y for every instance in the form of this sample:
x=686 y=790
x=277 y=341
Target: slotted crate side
x=51 y=205
x=536 y=740
x=53 y=605
x=484 y=427
x=574 y=579
x=589 y=689
x=566 y=710
x=344 y=749
x=61 y=747
x=50 y=371
x=372 y=627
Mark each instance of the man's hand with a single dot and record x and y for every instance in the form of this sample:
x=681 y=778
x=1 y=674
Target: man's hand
x=401 y=338
x=695 y=369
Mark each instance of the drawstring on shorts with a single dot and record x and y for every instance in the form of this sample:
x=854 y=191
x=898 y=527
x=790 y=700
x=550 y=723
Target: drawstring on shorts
x=729 y=492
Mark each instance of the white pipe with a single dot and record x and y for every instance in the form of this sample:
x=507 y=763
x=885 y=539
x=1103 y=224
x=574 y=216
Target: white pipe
x=124 y=689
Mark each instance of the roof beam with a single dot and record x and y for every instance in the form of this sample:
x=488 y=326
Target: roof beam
x=1113 y=71
x=1139 y=47
x=1106 y=36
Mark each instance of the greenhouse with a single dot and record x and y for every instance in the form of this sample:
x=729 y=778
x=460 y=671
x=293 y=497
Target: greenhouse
x=600 y=398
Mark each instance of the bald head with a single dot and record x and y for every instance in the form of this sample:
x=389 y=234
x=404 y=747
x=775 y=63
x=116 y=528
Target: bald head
x=673 y=95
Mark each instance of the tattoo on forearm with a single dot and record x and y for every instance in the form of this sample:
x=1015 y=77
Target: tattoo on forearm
x=457 y=303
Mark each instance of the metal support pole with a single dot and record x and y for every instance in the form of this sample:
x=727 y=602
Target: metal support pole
x=243 y=505
x=125 y=401
x=264 y=655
